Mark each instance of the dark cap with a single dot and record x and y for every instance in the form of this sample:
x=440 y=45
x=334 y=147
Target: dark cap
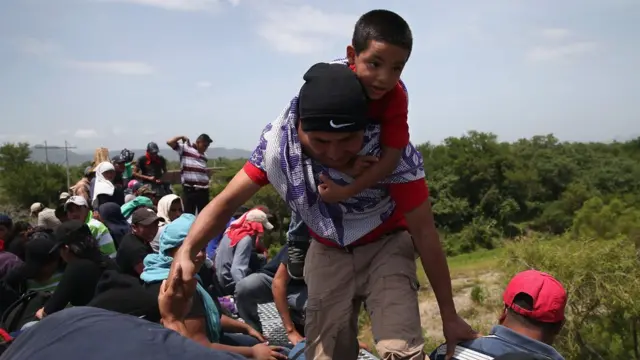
x=153 y=148
x=38 y=251
x=143 y=190
x=70 y=232
x=204 y=137
x=332 y=99
x=144 y=216
x=118 y=159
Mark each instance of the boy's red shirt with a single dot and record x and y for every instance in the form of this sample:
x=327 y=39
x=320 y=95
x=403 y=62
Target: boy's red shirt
x=391 y=111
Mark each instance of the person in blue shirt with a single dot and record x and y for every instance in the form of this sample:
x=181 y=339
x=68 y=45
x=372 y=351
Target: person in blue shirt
x=534 y=306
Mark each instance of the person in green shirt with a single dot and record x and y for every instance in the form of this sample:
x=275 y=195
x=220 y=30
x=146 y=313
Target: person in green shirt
x=78 y=209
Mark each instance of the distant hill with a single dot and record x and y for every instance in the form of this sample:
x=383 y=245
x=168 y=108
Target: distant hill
x=77 y=158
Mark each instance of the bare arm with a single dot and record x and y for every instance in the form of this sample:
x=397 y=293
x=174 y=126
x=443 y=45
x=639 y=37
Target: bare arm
x=214 y=217
x=426 y=241
x=197 y=331
x=232 y=325
x=377 y=172
x=173 y=142
x=279 y=290
x=137 y=173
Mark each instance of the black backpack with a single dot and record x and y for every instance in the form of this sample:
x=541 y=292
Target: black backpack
x=23 y=310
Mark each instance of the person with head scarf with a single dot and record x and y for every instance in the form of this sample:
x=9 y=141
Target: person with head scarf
x=104 y=190
x=203 y=321
x=140 y=201
x=234 y=253
x=111 y=216
x=169 y=208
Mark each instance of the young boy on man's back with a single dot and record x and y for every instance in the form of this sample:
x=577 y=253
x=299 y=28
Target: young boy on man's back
x=380 y=48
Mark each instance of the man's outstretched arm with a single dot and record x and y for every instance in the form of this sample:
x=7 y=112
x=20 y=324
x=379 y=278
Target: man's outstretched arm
x=214 y=217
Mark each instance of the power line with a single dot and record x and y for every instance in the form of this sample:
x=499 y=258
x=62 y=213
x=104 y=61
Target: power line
x=66 y=148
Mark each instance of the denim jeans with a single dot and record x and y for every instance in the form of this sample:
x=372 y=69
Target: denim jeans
x=256 y=289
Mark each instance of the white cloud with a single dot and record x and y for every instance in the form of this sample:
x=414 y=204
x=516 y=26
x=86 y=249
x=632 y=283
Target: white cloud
x=304 y=29
x=114 y=67
x=204 y=84
x=85 y=133
x=555 y=33
x=547 y=53
x=180 y=5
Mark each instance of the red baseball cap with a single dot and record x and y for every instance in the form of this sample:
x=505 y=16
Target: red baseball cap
x=549 y=297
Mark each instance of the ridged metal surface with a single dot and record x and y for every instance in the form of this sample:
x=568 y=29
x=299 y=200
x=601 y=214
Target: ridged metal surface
x=273 y=329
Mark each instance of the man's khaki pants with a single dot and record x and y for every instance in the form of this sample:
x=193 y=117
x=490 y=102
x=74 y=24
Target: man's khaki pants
x=383 y=275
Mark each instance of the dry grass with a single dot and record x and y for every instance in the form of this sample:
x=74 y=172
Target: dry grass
x=477 y=287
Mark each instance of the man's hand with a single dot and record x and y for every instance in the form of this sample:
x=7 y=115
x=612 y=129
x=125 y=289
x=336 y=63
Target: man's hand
x=186 y=140
x=294 y=337
x=330 y=192
x=158 y=181
x=456 y=330
x=254 y=333
x=266 y=352
x=179 y=287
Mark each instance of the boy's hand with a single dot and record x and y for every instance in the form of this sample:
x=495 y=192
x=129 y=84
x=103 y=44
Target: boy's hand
x=362 y=163
x=330 y=192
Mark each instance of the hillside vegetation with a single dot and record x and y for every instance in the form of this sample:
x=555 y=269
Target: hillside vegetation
x=571 y=209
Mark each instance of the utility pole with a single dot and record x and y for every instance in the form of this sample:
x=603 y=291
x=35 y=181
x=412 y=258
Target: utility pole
x=46 y=156
x=66 y=148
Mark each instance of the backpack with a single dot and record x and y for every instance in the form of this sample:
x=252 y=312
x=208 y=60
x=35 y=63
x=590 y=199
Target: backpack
x=23 y=310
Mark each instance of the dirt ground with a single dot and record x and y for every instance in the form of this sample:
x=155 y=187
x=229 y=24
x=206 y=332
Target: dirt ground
x=477 y=298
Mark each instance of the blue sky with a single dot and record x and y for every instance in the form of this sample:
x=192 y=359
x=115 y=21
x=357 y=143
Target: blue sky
x=120 y=73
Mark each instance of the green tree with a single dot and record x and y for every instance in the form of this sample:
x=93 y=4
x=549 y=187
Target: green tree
x=24 y=182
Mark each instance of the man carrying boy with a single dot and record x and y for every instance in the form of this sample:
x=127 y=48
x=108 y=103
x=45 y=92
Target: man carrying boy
x=363 y=248
x=380 y=47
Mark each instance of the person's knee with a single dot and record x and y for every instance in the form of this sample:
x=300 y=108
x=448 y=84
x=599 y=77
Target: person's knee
x=250 y=287
x=244 y=288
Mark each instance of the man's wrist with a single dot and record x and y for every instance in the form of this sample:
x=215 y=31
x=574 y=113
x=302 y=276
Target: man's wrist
x=448 y=312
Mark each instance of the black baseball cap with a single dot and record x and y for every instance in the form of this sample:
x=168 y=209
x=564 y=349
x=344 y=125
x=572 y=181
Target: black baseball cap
x=118 y=159
x=153 y=148
x=39 y=250
x=70 y=232
x=144 y=216
x=332 y=99
x=206 y=138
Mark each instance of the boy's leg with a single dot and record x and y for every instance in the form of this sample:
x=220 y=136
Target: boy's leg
x=331 y=326
x=253 y=290
x=392 y=303
x=298 y=241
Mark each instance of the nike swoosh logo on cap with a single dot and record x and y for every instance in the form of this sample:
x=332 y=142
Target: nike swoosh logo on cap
x=338 y=126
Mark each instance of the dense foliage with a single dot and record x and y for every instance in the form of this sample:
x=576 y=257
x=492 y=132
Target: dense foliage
x=598 y=262
x=483 y=190
x=571 y=209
